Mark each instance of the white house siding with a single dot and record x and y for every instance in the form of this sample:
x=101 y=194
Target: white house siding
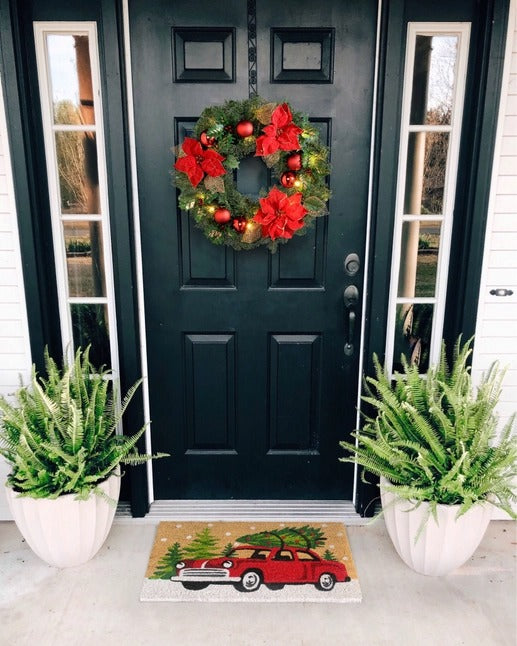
x=15 y=355
x=496 y=330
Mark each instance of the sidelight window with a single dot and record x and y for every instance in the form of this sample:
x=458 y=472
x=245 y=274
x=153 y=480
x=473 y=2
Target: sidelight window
x=434 y=86
x=70 y=95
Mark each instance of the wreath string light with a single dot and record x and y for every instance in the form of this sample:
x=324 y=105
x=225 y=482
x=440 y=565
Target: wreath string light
x=290 y=147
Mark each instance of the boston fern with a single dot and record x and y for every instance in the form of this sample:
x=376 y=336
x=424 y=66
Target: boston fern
x=59 y=433
x=434 y=438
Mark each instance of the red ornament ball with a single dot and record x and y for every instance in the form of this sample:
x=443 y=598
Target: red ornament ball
x=222 y=216
x=206 y=140
x=244 y=128
x=288 y=179
x=239 y=224
x=294 y=161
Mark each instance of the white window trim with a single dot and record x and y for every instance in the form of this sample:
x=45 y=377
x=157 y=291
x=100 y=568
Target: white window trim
x=368 y=233
x=138 y=250
x=462 y=30
x=41 y=30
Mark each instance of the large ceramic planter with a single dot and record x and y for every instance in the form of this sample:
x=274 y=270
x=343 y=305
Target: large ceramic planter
x=65 y=532
x=442 y=546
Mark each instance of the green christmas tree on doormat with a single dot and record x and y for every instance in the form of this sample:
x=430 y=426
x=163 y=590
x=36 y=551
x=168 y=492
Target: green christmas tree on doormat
x=228 y=549
x=306 y=536
x=203 y=546
x=167 y=564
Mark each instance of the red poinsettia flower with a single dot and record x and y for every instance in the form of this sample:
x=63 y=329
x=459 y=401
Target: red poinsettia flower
x=279 y=214
x=281 y=134
x=197 y=161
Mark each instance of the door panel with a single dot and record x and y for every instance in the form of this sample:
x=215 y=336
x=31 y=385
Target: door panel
x=210 y=392
x=250 y=388
x=294 y=368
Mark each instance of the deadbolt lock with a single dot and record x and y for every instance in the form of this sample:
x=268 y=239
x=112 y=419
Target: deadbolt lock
x=352 y=264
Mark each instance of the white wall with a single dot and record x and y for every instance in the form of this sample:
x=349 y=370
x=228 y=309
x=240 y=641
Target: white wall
x=496 y=332
x=15 y=355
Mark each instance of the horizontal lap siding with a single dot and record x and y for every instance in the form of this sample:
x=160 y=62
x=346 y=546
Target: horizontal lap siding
x=496 y=333
x=15 y=355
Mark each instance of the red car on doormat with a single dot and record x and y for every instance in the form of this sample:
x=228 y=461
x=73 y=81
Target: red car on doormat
x=250 y=566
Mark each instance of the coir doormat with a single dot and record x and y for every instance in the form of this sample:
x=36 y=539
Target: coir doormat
x=251 y=561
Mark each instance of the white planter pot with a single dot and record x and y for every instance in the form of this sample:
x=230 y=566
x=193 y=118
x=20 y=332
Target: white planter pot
x=441 y=547
x=65 y=532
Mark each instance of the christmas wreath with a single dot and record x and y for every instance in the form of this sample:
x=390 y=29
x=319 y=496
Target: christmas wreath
x=288 y=144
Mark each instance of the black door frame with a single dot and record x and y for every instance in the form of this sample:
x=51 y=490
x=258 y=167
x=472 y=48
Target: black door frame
x=18 y=70
x=478 y=140
x=482 y=95
x=164 y=338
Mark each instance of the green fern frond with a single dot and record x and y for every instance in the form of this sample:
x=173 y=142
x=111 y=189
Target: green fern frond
x=434 y=438
x=59 y=432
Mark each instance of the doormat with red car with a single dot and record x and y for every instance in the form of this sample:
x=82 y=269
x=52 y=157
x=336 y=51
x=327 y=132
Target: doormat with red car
x=251 y=561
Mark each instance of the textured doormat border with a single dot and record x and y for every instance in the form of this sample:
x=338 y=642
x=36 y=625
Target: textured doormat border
x=268 y=541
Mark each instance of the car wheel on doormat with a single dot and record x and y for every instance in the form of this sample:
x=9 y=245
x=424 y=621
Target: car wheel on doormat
x=194 y=585
x=326 y=582
x=251 y=581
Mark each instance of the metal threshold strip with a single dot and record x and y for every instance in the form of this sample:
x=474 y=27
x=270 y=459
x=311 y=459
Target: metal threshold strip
x=263 y=510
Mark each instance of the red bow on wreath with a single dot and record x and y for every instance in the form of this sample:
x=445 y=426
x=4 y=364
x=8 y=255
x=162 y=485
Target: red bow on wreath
x=197 y=161
x=281 y=134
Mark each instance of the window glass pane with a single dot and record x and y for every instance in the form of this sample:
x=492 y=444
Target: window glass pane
x=413 y=334
x=90 y=327
x=419 y=259
x=433 y=79
x=425 y=174
x=84 y=258
x=71 y=79
x=78 y=172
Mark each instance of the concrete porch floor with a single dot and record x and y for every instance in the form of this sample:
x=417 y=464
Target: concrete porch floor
x=98 y=603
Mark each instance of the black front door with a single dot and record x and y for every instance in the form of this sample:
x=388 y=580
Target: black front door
x=250 y=387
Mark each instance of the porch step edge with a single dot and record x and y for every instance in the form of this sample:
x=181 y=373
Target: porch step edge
x=257 y=510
